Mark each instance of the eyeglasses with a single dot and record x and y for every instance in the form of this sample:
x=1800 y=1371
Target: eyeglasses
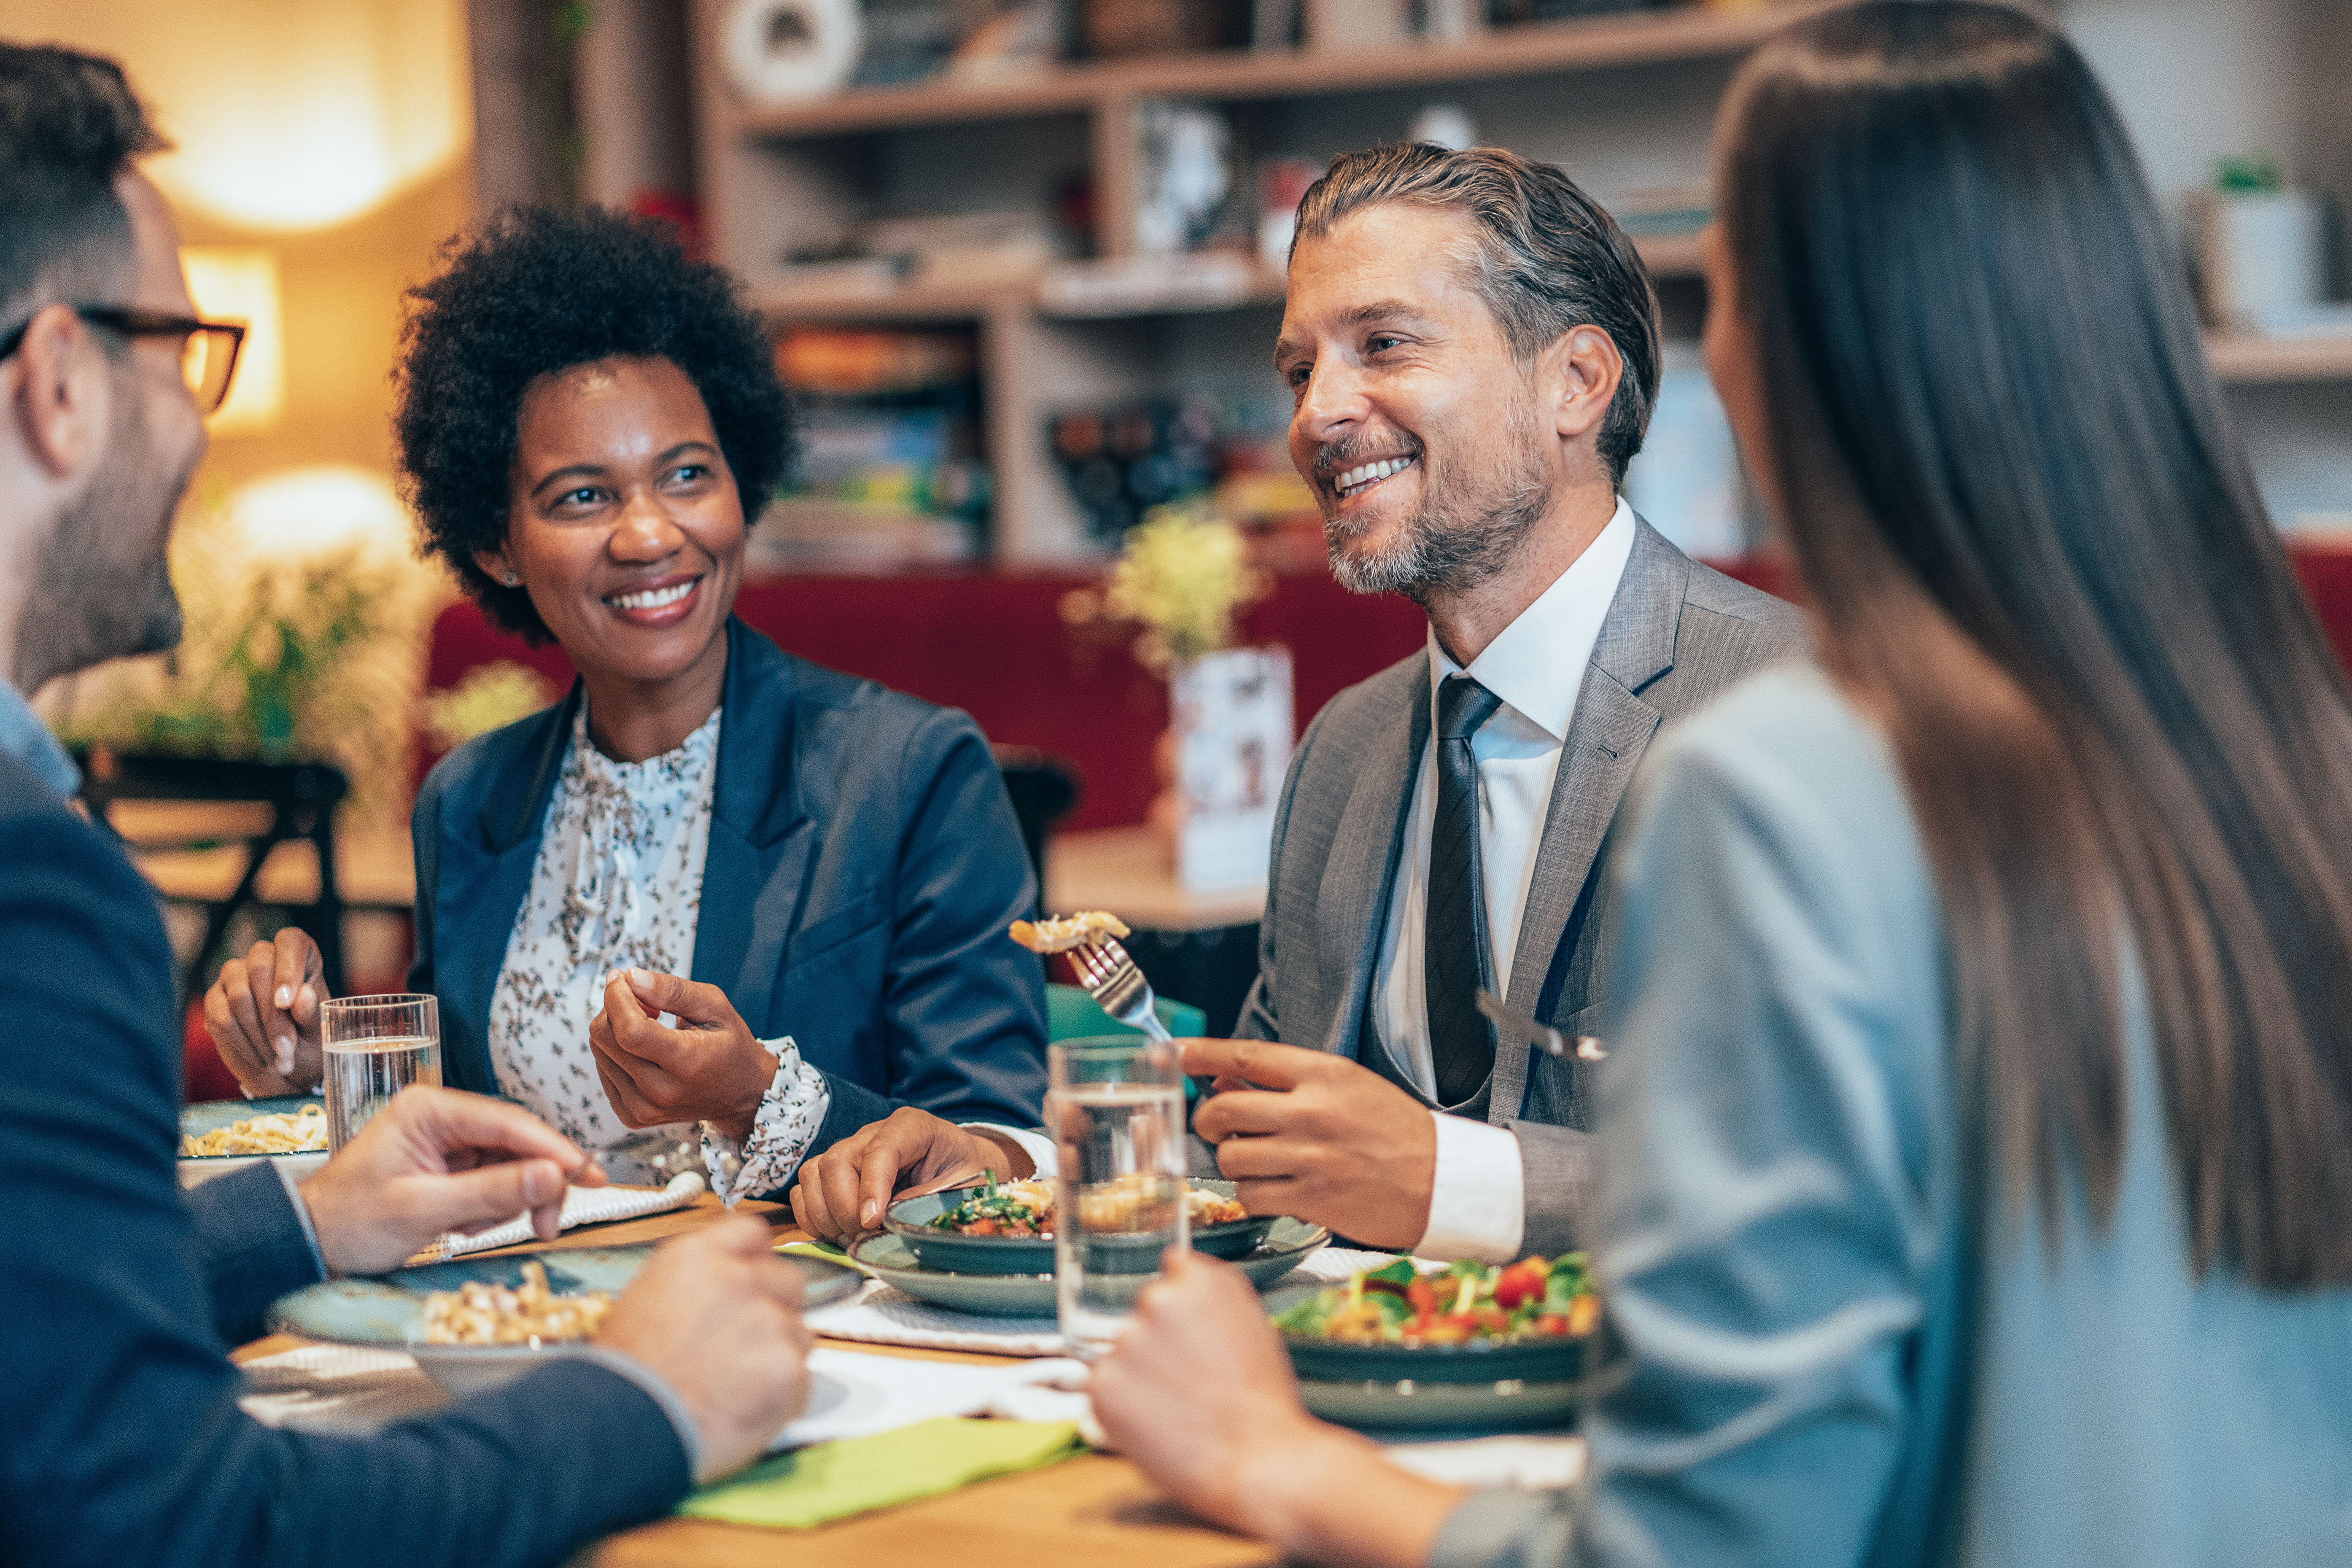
x=208 y=350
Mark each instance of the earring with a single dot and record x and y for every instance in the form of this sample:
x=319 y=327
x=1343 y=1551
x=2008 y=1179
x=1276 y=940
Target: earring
x=513 y=579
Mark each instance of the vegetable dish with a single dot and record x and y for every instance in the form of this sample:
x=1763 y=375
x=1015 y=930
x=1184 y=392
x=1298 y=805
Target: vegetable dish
x=1466 y=1303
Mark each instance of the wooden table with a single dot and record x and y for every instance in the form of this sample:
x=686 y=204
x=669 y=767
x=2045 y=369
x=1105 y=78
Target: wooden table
x=1093 y=1511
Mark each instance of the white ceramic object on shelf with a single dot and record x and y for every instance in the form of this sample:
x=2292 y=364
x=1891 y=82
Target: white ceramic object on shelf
x=2259 y=252
x=785 y=51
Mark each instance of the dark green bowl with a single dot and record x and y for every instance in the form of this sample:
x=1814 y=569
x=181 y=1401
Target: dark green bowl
x=945 y=1250
x=1546 y=1360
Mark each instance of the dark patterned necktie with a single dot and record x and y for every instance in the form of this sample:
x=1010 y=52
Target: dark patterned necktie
x=1460 y=1045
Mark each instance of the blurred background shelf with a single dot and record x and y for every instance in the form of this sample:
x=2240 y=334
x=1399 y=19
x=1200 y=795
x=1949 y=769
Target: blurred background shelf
x=2237 y=357
x=1532 y=50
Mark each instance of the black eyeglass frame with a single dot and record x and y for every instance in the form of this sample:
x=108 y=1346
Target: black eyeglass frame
x=133 y=323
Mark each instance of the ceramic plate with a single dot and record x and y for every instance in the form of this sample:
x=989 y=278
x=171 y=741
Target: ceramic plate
x=888 y=1257
x=1523 y=1387
x=211 y=1115
x=944 y=1250
x=386 y=1311
x=1510 y=1405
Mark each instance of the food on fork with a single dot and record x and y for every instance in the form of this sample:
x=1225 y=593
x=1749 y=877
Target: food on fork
x=479 y=1313
x=1089 y=928
x=300 y=1131
x=1466 y=1303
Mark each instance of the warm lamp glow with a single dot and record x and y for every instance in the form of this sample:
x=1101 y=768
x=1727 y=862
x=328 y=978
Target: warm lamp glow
x=239 y=283
x=286 y=117
x=307 y=511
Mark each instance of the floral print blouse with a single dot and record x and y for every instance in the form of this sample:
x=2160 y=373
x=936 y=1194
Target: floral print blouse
x=618 y=884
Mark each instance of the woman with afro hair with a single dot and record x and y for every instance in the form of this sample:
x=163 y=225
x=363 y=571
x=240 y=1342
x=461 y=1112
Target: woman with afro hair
x=716 y=884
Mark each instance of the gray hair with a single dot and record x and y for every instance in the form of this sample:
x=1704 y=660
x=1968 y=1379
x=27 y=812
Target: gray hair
x=1548 y=258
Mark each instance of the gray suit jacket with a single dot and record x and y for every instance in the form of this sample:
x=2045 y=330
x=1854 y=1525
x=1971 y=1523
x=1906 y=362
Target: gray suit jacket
x=1677 y=633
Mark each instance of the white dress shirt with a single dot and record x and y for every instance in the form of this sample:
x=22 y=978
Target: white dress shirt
x=1477 y=1206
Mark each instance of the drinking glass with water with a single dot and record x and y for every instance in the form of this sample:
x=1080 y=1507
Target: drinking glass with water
x=375 y=1047
x=1116 y=1108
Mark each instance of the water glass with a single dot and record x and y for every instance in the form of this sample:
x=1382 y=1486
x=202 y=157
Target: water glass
x=375 y=1047
x=1116 y=1108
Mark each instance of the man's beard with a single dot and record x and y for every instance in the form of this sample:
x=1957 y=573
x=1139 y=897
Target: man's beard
x=102 y=588
x=1462 y=537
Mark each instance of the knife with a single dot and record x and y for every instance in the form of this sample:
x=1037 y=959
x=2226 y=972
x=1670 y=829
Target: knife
x=1511 y=1021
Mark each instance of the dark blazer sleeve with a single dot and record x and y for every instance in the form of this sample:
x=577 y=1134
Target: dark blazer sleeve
x=125 y=1440
x=963 y=1005
x=425 y=845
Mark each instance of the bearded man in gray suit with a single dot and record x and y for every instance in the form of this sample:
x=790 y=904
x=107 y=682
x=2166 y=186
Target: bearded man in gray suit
x=1472 y=348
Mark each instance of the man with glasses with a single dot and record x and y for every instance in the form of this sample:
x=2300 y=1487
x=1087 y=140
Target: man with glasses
x=125 y=1440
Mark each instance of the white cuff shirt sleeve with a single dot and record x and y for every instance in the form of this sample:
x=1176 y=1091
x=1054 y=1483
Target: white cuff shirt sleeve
x=1033 y=1143
x=1478 y=1199
x=791 y=1113
x=301 y=1212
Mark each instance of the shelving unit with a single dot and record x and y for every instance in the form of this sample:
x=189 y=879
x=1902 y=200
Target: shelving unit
x=774 y=180
x=2254 y=360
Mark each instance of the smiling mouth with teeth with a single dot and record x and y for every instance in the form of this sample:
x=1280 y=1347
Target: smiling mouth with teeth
x=654 y=599
x=1363 y=475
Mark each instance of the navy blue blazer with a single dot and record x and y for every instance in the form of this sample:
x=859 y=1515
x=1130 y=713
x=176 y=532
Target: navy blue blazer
x=863 y=863
x=122 y=1440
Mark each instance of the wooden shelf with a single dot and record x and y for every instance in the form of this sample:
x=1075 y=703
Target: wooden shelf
x=1667 y=255
x=1539 y=49
x=2239 y=358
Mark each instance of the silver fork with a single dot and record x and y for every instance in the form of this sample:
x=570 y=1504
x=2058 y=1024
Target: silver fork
x=1119 y=987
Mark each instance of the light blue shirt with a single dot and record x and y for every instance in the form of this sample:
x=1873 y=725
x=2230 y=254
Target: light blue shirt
x=23 y=737
x=1819 y=1373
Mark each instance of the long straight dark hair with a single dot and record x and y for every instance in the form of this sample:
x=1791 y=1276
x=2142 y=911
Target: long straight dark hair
x=2039 y=562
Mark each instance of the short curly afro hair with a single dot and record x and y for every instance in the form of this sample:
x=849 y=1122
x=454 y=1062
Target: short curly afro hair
x=538 y=289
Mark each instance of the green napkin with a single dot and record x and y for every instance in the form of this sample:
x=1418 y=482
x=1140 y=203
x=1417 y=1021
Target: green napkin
x=857 y=1475
x=818 y=1249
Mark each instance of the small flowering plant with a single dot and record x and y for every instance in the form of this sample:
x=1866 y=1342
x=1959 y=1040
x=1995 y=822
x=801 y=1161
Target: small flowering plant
x=1183 y=575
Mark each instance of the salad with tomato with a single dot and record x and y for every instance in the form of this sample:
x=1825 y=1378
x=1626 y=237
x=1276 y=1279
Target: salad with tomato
x=1466 y=1303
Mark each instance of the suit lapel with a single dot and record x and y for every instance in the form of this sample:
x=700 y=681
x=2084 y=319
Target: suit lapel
x=761 y=839
x=1351 y=909
x=484 y=876
x=1609 y=732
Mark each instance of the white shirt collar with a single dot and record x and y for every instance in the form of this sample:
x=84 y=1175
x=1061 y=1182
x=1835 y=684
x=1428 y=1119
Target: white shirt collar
x=1537 y=664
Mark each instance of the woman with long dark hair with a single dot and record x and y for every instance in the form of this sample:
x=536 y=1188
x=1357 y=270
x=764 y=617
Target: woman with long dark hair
x=1978 y=1136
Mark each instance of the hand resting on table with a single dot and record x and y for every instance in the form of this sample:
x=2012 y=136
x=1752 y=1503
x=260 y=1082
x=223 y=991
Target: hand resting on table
x=842 y=1193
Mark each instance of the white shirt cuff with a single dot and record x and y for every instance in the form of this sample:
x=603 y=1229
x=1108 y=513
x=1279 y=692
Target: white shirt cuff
x=1477 y=1197
x=1037 y=1145
x=791 y=1113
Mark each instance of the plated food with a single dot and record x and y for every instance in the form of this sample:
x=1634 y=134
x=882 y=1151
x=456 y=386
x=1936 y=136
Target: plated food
x=1024 y=1208
x=480 y=1312
x=1469 y=1303
x=390 y=1311
x=1464 y=1349
x=298 y=1131
x=1061 y=933
x=889 y=1255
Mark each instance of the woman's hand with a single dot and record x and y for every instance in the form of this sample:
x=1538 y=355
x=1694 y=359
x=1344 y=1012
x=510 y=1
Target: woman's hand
x=263 y=1015
x=1199 y=1392
x=709 y=1069
x=841 y=1193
